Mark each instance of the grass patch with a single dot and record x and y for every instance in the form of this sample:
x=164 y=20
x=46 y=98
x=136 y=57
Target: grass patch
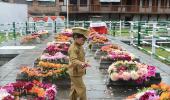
x=159 y=52
x=2 y=38
x=124 y=32
x=11 y=37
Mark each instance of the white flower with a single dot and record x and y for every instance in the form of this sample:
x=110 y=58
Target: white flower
x=138 y=95
x=3 y=93
x=114 y=76
x=50 y=43
x=132 y=55
x=131 y=62
x=126 y=62
x=134 y=75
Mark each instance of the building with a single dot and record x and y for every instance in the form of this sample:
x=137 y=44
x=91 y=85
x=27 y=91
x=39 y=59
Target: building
x=120 y=9
x=39 y=7
x=108 y=9
x=10 y=13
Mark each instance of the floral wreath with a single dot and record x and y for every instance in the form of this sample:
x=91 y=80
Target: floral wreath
x=124 y=70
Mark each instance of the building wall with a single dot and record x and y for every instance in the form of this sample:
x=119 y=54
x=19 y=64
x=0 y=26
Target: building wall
x=125 y=10
x=13 y=13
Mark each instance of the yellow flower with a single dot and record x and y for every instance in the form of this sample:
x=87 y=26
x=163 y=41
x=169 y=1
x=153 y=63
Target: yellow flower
x=165 y=96
x=164 y=87
x=41 y=92
x=154 y=86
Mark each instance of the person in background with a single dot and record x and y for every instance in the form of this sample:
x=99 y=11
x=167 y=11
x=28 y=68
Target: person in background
x=77 y=64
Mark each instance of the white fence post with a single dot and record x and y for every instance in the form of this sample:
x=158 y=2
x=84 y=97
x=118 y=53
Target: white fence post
x=131 y=32
x=120 y=28
x=153 y=38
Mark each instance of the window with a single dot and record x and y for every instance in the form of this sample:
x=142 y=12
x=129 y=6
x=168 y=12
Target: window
x=163 y=3
x=105 y=3
x=73 y=1
x=115 y=3
x=83 y=2
x=145 y=3
x=46 y=3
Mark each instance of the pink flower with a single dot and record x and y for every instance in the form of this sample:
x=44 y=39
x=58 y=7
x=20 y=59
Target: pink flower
x=57 y=55
x=126 y=76
x=122 y=68
x=151 y=73
x=51 y=93
x=152 y=68
x=149 y=95
x=141 y=72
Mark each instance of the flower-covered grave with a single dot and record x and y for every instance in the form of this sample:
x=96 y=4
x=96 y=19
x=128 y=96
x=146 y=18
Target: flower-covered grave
x=34 y=37
x=54 y=47
x=104 y=50
x=64 y=36
x=32 y=90
x=116 y=55
x=96 y=41
x=154 y=92
x=132 y=74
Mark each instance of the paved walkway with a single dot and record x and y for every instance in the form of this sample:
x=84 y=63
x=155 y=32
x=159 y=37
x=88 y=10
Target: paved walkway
x=95 y=79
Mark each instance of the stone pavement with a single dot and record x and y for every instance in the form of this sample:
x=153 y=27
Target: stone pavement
x=95 y=79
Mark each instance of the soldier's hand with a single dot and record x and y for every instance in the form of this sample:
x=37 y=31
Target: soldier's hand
x=84 y=65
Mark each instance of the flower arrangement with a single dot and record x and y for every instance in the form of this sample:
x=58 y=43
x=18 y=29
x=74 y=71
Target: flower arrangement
x=29 y=38
x=155 y=92
x=117 y=55
x=57 y=47
x=97 y=38
x=58 y=55
x=67 y=32
x=42 y=32
x=35 y=34
x=49 y=65
x=110 y=47
x=38 y=73
x=4 y=95
x=124 y=70
x=21 y=89
x=62 y=38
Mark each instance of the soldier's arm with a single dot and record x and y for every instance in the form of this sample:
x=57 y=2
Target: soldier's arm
x=73 y=56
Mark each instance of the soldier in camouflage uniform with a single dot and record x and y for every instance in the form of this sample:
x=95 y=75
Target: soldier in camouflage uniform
x=77 y=64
